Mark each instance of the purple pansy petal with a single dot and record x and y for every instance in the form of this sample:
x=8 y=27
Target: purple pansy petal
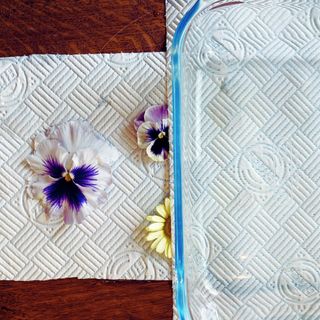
x=147 y=133
x=53 y=168
x=156 y=113
x=85 y=176
x=139 y=120
x=65 y=191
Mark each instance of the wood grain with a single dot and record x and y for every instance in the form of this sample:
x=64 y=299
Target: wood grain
x=85 y=26
x=71 y=27
x=85 y=299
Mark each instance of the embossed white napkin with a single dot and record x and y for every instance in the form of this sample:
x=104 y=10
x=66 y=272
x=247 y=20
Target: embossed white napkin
x=108 y=91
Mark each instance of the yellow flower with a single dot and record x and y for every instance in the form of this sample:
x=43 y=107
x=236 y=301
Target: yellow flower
x=159 y=230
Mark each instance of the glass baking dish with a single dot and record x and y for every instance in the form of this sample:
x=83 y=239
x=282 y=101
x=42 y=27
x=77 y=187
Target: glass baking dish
x=246 y=134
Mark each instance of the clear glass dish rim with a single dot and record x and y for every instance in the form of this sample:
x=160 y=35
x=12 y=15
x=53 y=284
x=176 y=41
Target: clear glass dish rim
x=177 y=46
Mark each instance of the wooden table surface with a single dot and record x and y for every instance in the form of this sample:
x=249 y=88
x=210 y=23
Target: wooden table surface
x=83 y=26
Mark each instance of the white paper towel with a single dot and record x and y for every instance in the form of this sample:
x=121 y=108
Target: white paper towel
x=108 y=91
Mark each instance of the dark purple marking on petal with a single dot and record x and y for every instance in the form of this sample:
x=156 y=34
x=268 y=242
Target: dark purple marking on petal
x=53 y=168
x=152 y=134
x=85 y=176
x=63 y=190
x=160 y=145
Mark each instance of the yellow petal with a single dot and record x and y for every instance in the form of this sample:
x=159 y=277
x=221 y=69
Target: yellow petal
x=155 y=227
x=154 y=235
x=167 y=248
x=162 y=245
x=155 y=243
x=156 y=218
x=162 y=211
x=169 y=251
x=167 y=204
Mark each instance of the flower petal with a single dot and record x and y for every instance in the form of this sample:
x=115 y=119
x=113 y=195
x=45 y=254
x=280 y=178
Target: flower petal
x=147 y=133
x=53 y=168
x=51 y=148
x=162 y=211
x=156 y=218
x=156 y=113
x=47 y=149
x=168 y=252
x=75 y=217
x=104 y=178
x=107 y=154
x=36 y=186
x=73 y=135
x=154 y=235
x=157 y=226
x=138 y=121
x=62 y=191
x=167 y=205
x=54 y=211
x=158 y=150
x=162 y=245
x=36 y=163
x=155 y=243
x=85 y=176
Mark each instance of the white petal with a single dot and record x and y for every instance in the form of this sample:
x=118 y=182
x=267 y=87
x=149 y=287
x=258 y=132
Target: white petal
x=74 y=135
x=86 y=156
x=94 y=198
x=36 y=186
x=156 y=157
x=54 y=211
x=37 y=140
x=73 y=217
x=51 y=148
x=104 y=178
x=35 y=163
x=143 y=136
x=107 y=154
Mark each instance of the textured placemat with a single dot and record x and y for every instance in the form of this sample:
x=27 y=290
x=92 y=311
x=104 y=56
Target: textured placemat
x=108 y=91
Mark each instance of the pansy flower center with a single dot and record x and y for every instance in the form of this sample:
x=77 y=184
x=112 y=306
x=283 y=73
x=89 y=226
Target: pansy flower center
x=67 y=187
x=161 y=135
x=68 y=176
x=167 y=227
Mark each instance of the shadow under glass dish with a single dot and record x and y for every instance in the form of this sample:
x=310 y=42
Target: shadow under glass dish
x=246 y=103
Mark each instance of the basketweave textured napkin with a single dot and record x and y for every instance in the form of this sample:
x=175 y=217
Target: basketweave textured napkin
x=108 y=91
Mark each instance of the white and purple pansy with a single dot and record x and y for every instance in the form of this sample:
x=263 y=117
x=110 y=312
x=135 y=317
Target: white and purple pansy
x=72 y=170
x=153 y=132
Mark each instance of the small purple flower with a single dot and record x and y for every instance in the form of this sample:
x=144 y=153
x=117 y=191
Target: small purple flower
x=65 y=189
x=72 y=167
x=153 y=132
